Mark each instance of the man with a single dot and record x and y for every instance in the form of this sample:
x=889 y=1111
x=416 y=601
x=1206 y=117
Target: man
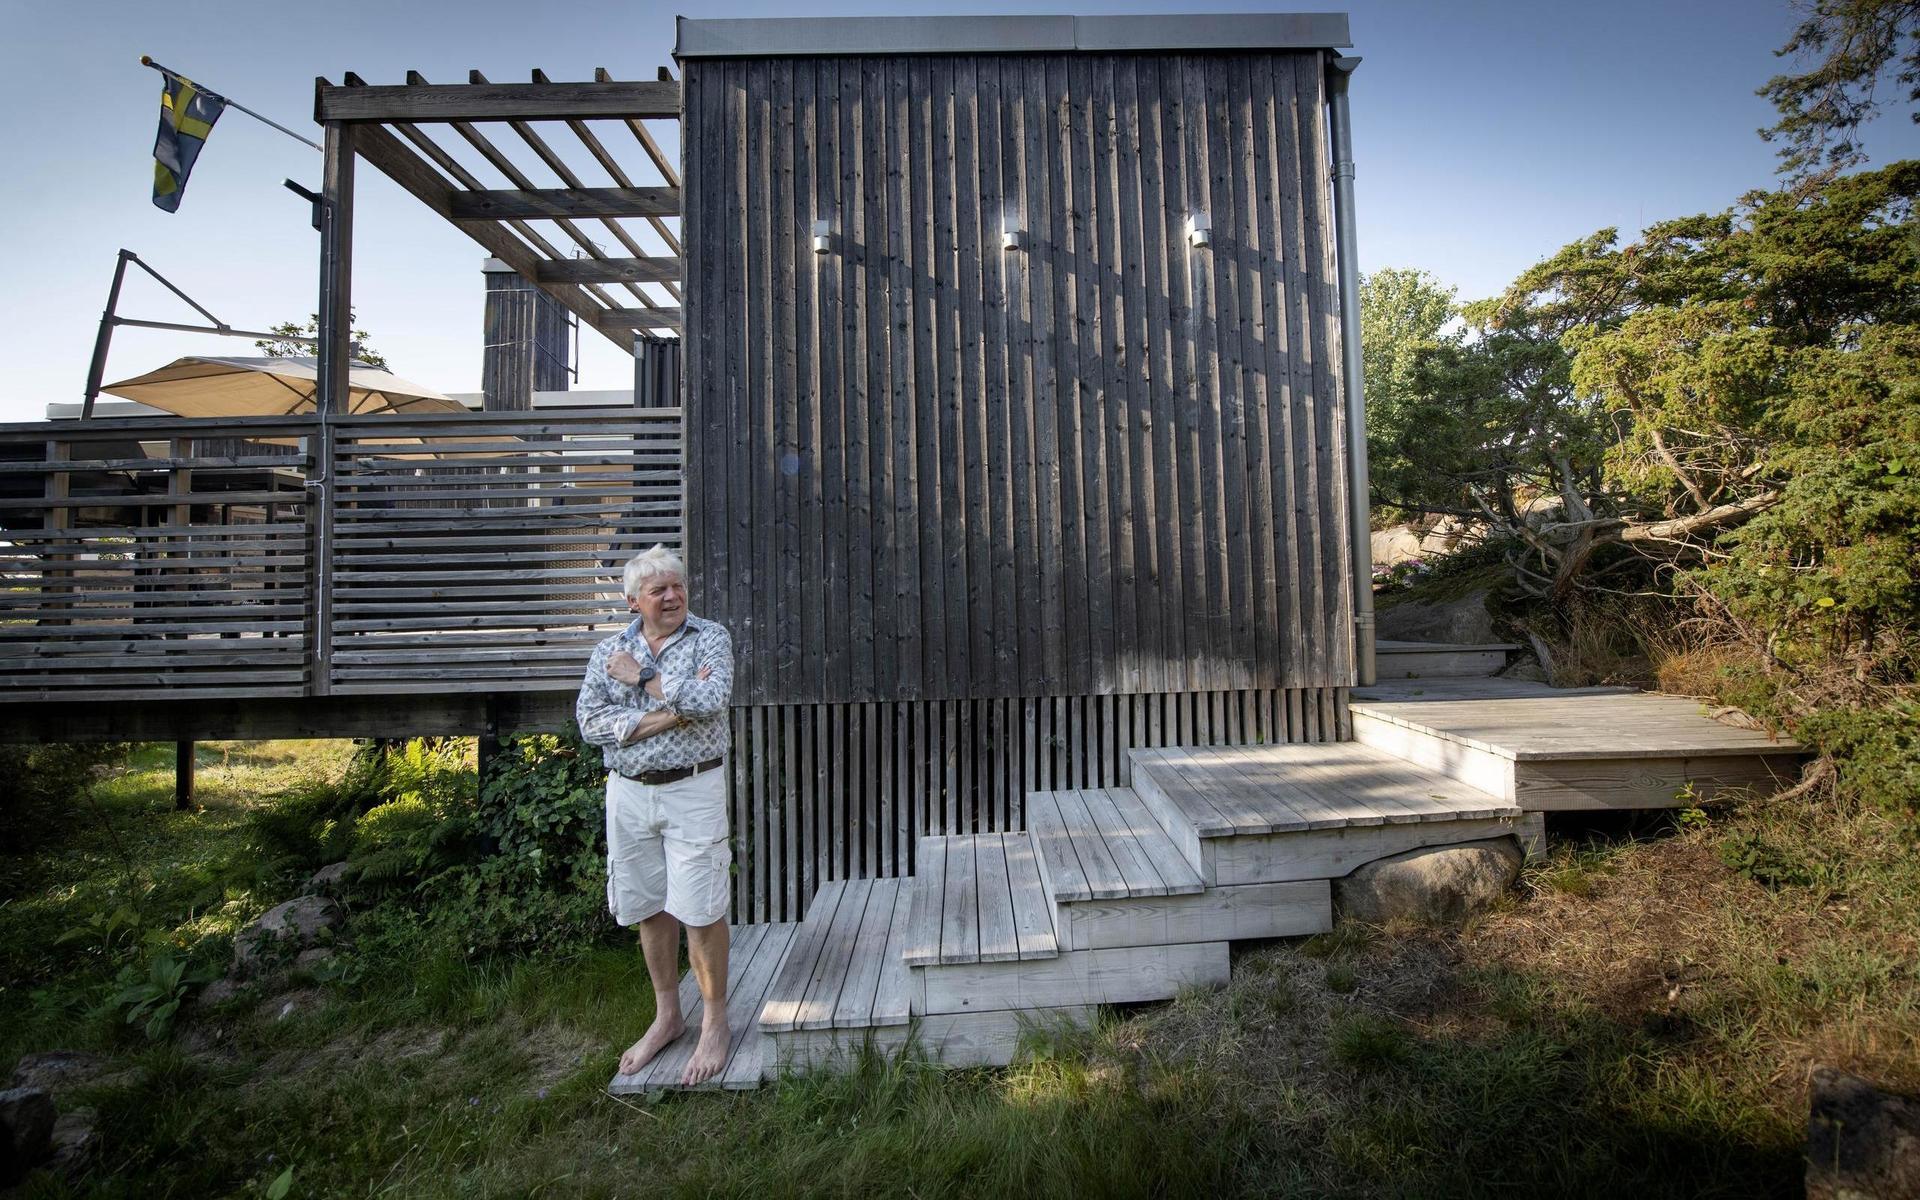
x=655 y=701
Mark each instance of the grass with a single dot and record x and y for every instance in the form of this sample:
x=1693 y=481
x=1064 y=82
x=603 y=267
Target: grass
x=1641 y=1019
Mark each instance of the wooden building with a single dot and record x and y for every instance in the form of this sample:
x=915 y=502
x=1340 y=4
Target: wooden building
x=1015 y=423
x=1017 y=430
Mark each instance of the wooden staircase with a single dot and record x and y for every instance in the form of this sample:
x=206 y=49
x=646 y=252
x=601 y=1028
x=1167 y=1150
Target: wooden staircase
x=1120 y=895
x=1110 y=896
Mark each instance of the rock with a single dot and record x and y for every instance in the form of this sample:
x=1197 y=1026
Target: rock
x=330 y=880
x=218 y=992
x=314 y=959
x=26 y=1132
x=1461 y=622
x=54 y=1071
x=296 y=1003
x=1448 y=535
x=1434 y=885
x=1395 y=544
x=75 y=1140
x=1528 y=669
x=1861 y=1141
x=282 y=931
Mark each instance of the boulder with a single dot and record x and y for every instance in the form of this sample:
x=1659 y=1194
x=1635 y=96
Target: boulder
x=1861 y=1141
x=1395 y=544
x=75 y=1140
x=283 y=931
x=26 y=1132
x=1461 y=622
x=330 y=880
x=54 y=1071
x=1434 y=885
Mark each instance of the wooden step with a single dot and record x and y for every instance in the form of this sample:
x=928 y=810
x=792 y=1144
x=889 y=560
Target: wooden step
x=845 y=969
x=1103 y=843
x=977 y=898
x=1070 y=979
x=1429 y=660
x=1118 y=880
x=756 y=958
x=1268 y=814
x=1551 y=749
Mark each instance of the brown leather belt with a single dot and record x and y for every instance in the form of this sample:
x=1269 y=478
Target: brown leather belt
x=656 y=778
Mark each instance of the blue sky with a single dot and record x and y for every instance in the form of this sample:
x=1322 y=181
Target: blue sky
x=1486 y=136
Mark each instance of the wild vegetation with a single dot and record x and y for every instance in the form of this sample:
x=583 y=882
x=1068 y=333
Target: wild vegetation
x=1641 y=1016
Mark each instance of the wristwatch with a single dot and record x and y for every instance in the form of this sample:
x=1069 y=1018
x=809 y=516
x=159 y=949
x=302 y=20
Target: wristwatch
x=647 y=674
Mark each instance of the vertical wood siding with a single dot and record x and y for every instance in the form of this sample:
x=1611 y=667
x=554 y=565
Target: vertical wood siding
x=922 y=467
x=844 y=791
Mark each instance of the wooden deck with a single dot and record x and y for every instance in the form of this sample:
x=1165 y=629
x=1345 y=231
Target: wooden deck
x=1547 y=748
x=1126 y=894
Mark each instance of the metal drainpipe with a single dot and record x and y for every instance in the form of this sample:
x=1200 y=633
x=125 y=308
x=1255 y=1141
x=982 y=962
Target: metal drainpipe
x=1359 y=500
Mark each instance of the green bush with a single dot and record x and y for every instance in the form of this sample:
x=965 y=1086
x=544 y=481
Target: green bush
x=41 y=781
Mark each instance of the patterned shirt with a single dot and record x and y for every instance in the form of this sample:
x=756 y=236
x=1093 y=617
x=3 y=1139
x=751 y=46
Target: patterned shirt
x=608 y=710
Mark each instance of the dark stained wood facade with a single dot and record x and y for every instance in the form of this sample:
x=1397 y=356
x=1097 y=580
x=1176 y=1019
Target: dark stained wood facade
x=922 y=466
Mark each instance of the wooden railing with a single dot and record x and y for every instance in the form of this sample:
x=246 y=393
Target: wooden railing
x=164 y=557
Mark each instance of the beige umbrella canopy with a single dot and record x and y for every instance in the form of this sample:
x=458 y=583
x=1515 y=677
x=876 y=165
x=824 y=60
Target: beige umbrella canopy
x=258 y=387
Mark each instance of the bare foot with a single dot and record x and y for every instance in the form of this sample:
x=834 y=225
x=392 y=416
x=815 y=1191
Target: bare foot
x=711 y=1054
x=658 y=1037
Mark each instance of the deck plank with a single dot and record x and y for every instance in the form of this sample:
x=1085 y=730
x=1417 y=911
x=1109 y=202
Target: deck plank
x=893 y=996
x=959 y=910
x=753 y=956
x=1033 y=909
x=994 y=891
x=928 y=893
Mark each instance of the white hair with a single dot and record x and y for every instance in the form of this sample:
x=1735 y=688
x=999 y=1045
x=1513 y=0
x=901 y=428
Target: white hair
x=649 y=563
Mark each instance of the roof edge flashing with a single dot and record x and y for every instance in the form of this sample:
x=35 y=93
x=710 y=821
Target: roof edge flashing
x=804 y=37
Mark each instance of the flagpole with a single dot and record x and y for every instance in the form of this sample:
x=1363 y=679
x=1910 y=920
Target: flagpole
x=231 y=103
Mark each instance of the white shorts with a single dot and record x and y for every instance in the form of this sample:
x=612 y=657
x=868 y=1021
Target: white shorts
x=667 y=848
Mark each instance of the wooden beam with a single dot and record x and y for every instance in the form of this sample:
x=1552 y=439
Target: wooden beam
x=553 y=203
x=411 y=172
x=641 y=318
x=495 y=101
x=608 y=270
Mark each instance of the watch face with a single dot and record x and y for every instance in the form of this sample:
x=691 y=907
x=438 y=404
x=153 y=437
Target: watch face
x=647 y=674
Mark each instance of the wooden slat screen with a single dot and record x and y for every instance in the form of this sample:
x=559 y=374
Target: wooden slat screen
x=843 y=791
x=484 y=550
x=922 y=466
x=154 y=557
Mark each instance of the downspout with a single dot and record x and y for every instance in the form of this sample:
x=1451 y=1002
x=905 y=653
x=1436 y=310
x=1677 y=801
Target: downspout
x=1359 y=499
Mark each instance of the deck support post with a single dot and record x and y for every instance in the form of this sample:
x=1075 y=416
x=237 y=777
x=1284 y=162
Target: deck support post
x=183 y=776
x=335 y=364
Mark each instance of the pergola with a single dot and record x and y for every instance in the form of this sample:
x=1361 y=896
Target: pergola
x=440 y=141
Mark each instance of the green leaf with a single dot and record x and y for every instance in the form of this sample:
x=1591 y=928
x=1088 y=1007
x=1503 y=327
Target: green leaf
x=278 y=1189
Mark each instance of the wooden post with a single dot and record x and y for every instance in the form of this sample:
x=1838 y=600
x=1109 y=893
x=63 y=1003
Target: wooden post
x=56 y=583
x=335 y=362
x=183 y=776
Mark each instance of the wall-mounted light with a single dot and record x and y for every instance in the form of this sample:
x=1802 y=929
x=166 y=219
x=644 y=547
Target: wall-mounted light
x=1009 y=234
x=1199 y=229
x=821 y=235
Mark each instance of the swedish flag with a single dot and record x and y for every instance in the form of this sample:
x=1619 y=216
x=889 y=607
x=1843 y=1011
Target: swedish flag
x=187 y=114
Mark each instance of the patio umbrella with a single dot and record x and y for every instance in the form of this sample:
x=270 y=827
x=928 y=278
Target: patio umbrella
x=256 y=387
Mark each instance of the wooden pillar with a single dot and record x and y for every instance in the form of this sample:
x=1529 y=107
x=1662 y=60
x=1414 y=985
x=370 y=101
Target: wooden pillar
x=334 y=354
x=525 y=341
x=183 y=776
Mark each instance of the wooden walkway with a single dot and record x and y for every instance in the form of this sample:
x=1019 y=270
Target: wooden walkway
x=1548 y=748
